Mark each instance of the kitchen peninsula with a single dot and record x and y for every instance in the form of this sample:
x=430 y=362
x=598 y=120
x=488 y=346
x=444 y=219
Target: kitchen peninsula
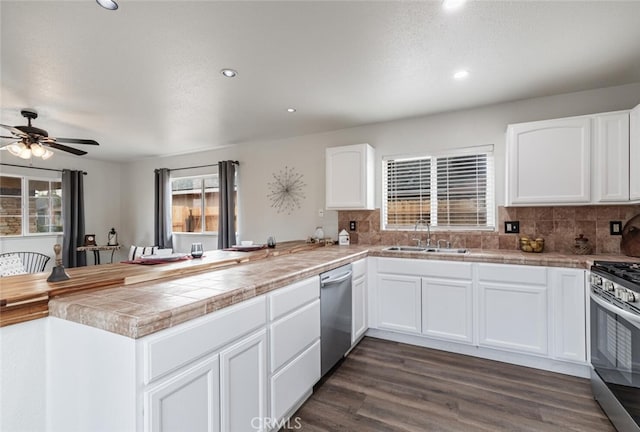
x=150 y=342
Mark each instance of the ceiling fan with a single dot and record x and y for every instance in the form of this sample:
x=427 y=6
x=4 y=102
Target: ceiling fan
x=33 y=141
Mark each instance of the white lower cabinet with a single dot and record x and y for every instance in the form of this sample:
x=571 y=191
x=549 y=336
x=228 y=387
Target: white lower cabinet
x=512 y=310
x=530 y=315
x=294 y=380
x=447 y=309
x=568 y=311
x=294 y=333
x=187 y=401
x=359 y=301
x=243 y=384
x=399 y=306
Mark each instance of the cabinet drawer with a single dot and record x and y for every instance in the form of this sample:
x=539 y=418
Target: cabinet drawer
x=359 y=268
x=169 y=350
x=290 y=384
x=293 y=333
x=510 y=273
x=291 y=297
x=419 y=267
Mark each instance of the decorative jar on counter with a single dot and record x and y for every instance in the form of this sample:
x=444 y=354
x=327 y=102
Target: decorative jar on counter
x=582 y=246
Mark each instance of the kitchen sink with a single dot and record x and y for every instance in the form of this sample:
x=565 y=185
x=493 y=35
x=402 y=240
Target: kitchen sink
x=426 y=249
x=405 y=249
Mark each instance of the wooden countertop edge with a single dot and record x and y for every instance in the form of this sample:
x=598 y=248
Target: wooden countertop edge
x=132 y=274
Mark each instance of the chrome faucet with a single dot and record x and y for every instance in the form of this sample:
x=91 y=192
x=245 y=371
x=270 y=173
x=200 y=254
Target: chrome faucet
x=415 y=228
x=447 y=243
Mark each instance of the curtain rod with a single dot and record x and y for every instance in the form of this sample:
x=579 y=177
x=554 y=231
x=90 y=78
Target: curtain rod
x=199 y=166
x=32 y=167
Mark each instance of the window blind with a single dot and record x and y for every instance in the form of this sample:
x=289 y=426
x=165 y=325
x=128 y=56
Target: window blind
x=451 y=191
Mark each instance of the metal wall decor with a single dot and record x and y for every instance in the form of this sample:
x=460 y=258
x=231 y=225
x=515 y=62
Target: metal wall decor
x=286 y=190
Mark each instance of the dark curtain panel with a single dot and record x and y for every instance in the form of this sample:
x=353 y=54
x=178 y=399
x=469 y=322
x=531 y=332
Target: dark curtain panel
x=73 y=218
x=226 y=220
x=162 y=209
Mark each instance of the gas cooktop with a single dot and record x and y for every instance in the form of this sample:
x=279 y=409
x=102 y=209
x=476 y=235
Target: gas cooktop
x=626 y=271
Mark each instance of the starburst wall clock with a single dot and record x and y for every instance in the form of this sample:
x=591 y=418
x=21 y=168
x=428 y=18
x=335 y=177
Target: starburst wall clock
x=286 y=191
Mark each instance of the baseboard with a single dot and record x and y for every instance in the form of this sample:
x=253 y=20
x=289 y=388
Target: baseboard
x=559 y=366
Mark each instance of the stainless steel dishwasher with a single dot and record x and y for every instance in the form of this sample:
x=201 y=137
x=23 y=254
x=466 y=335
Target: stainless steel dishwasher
x=335 y=316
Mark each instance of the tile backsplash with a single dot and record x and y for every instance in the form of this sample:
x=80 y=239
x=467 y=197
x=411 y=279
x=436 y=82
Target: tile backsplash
x=558 y=225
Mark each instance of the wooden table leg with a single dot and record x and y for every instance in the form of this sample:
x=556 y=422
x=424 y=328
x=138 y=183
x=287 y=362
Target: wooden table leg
x=96 y=257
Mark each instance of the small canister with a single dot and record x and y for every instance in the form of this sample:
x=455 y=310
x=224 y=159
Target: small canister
x=582 y=246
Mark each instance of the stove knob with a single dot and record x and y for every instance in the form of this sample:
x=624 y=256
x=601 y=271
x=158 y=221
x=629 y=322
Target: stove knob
x=596 y=280
x=608 y=286
x=632 y=296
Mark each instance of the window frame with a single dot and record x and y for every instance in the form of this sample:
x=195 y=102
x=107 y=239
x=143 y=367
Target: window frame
x=203 y=190
x=432 y=213
x=25 y=213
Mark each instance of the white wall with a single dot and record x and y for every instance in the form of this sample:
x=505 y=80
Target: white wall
x=260 y=159
x=102 y=200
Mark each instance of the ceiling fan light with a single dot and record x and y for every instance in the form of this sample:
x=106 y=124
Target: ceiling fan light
x=108 y=4
x=25 y=153
x=16 y=148
x=47 y=154
x=37 y=150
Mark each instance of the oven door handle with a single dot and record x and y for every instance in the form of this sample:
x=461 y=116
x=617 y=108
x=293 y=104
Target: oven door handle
x=616 y=310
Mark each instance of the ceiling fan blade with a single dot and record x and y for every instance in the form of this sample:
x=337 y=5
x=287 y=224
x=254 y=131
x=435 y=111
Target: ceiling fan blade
x=10 y=137
x=16 y=132
x=76 y=141
x=66 y=149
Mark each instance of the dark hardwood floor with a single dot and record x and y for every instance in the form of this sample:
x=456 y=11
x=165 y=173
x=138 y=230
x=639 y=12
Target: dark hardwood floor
x=388 y=386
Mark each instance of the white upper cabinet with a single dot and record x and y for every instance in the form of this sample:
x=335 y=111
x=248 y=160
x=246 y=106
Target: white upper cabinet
x=575 y=160
x=549 y=162
x=350 y=177
x=611 y=161
x=634 y=154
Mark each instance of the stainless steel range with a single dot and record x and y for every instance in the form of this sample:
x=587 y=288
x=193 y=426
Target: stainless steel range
x=615 y=341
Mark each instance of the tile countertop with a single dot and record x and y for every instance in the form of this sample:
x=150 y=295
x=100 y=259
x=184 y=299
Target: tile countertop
x=147 y=307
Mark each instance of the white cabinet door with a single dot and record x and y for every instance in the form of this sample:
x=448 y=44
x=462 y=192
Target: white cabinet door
x=399 y=303
x=447 y=309
x=293 y=333
x=513 y=316
x=243 y=384
x=349 y=177
x=294 y=380
x=188 y=401
x=611 y=162
x=634 y=154
x=549 y=162
x=567 y=295
x=359 y=308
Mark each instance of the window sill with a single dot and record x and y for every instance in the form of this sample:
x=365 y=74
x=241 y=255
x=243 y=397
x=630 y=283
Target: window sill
x=199 y=234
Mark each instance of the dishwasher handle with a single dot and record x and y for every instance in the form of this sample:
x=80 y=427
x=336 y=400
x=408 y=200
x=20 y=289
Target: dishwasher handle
x=336 y=279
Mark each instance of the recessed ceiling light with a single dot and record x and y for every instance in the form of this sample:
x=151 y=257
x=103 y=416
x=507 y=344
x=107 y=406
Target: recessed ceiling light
x=291 y=110
x=229 y=73
x=108 y=4
x=452 y=4
x=461 y=74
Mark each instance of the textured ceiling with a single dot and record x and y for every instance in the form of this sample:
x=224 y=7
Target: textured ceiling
x=144 y=80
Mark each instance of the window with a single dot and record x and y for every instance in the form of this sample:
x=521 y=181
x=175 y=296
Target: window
x=192 y=197
x=453 y=191
x=30 y=206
